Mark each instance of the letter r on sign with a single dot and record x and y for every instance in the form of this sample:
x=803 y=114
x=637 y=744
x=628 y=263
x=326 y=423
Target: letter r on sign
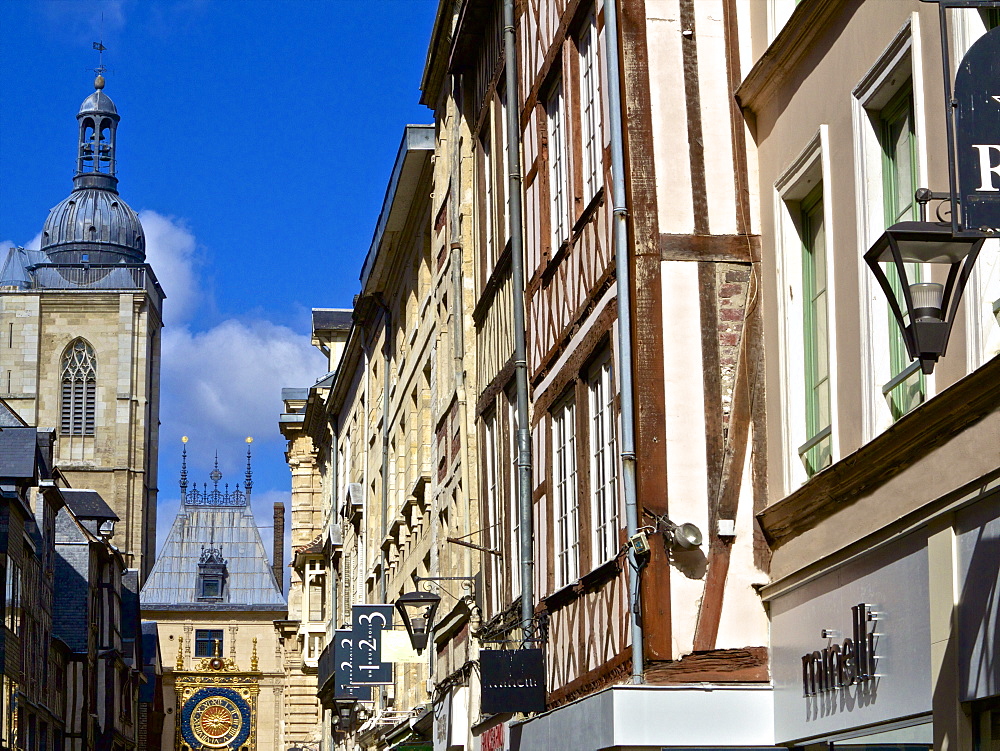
x=986 y=171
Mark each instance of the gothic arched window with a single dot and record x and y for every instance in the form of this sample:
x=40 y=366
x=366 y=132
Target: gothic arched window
x=79 y=387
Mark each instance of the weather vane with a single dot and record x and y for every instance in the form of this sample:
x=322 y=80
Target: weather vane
x=101 y=68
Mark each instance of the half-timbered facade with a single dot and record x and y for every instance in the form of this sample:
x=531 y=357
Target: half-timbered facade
x=692 y=249
x=100 y=681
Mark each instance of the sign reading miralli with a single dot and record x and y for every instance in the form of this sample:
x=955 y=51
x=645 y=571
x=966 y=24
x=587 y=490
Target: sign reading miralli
x=842 y=665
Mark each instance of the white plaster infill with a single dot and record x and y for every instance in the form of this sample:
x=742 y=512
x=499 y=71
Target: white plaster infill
x=660 y=717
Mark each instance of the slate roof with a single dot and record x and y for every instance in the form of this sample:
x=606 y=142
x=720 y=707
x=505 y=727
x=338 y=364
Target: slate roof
x=87 y=504
x=72 y=567
x=14 y=272
x=250 y=585
x=151 y=664
x=17 y=452
x=9 y=418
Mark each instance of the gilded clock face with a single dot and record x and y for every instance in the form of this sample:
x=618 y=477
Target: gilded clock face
x=216 y=721
x=216 y=717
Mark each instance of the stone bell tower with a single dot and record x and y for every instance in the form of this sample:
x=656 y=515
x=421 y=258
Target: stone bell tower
x=80 y=324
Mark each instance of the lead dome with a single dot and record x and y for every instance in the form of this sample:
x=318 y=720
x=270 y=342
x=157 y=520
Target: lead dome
x=93 y=224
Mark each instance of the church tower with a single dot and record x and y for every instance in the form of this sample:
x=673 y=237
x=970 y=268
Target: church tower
x=80 y=322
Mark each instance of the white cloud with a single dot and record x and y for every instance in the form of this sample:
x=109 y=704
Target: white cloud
x=224 y=384
x=219 y=385
x=170 y=250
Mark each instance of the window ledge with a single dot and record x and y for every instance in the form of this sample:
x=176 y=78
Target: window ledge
x=594 y=579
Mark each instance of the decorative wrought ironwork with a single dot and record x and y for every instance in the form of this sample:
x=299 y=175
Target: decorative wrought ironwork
x=238 y=496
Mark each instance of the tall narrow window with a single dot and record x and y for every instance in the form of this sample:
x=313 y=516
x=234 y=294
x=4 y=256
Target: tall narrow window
x=567 y=517
x=603 y=472
x=558 y=174
x=503 y=184
x=489 y=198
x=493 y=522
x=816 y=451
x=906 y=387
x=513 y=498
x=79 y=387
x=12 y=597
x=317 y=599
x=590 y=108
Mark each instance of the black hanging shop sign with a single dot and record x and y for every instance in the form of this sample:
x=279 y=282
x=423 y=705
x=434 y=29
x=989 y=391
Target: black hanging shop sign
x=343 y=655
x=977 y=134
x=367 y=624
x=513 y=680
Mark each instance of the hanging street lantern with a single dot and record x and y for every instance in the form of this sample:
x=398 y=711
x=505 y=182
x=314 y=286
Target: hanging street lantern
x=417 y=611
x=930 y=306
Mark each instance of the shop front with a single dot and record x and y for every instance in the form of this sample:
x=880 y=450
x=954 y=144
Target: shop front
x=851 y=651
x=885 y=600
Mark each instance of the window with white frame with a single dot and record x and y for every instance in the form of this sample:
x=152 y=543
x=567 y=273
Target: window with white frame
x=514 y=512
x=806 y=320
x=890 y=151
x=558 y=168
x=603 y=463
x=493 y=523
x=316 y=590
x=489 y=197
x=590 y=108
x=503 y=186
x=816 y=451
x=495 y=211
x=564 y=494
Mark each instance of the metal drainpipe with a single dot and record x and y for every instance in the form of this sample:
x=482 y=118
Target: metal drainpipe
x=458 y=341
x=386 y=353
x=334 y=519
x=623 y=276
x=520 y=350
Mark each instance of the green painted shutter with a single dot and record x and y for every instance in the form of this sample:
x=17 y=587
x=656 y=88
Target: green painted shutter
x=899 y=183
x=816 y=451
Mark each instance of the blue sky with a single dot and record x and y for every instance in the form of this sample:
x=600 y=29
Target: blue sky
x=256 y=141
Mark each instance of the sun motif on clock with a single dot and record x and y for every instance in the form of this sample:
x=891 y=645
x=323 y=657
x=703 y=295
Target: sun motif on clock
x=216 y=721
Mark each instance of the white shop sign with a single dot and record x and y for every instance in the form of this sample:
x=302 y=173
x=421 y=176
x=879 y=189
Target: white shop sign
x=821 y=671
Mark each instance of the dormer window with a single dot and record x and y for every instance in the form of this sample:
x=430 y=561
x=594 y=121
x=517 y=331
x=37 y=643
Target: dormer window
x=211 y=575
x=211 y=588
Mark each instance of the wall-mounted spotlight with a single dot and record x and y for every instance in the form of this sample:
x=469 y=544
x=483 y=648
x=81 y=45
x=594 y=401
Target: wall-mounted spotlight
x=683 y=536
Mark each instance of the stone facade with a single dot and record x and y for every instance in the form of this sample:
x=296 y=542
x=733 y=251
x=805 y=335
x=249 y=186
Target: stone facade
x=383 y=445
x=119 y=460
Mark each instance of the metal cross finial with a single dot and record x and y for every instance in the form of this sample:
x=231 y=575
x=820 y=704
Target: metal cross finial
x=216 y=475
